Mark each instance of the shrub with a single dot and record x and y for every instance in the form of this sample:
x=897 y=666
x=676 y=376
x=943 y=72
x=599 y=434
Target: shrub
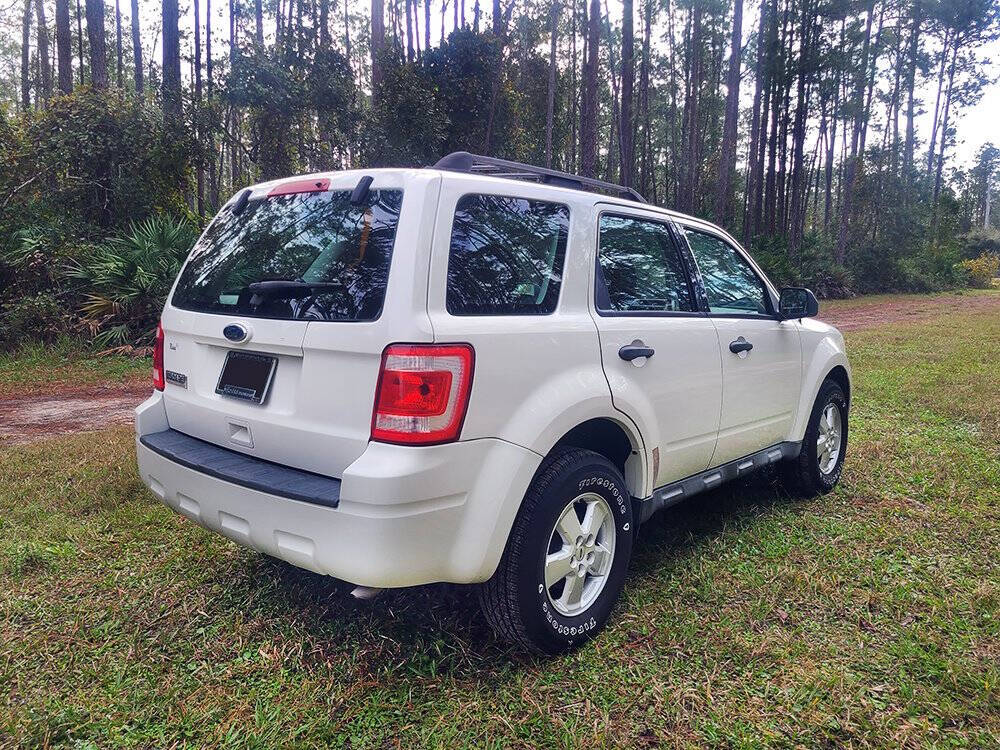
x=128 y=279
x=103 y=159
x=980 y=271
x=41 y=317
x=978 y=242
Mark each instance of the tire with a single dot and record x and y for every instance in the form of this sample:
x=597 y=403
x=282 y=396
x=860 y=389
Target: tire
x=516 y=601
x=806 y=475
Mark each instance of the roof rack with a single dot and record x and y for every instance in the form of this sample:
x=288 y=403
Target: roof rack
x=463 y=161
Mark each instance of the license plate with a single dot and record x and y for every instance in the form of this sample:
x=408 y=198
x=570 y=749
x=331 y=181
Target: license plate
x=246 y=376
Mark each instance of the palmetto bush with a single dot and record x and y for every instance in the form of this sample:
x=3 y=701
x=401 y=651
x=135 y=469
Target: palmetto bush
x=126 y=279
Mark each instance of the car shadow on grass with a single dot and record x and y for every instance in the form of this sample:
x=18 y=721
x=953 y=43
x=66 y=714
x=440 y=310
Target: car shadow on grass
x=436 y=630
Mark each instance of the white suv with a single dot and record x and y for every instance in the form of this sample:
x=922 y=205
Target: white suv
x=483 y=372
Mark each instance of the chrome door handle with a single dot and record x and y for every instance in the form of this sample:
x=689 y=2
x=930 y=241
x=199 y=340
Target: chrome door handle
x=740 y=345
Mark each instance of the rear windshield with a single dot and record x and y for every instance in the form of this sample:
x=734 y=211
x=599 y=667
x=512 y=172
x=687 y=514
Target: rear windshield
x=319 y=258
x=506 y=256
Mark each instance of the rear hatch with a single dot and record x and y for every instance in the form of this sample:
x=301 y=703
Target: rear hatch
x=274 y=332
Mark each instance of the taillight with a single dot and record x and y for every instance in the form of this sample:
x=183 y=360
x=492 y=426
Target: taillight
x=158 y=379
x=422 y=393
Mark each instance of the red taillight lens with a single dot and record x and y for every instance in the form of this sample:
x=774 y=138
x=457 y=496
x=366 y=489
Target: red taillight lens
x=158 y=379
x=423 y=393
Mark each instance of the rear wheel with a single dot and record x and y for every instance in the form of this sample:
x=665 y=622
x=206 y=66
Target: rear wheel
x=567 y=555
x=817 y=468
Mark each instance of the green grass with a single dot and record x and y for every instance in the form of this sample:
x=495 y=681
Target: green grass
x=866 y=618
x=35 y=365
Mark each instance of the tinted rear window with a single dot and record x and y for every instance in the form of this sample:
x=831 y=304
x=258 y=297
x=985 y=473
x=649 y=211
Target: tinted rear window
x=309 y=238
x=506 y=256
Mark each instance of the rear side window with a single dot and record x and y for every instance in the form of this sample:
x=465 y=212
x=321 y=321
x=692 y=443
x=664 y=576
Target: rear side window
x=324 y=258
x=506 y=256
x=640 y=268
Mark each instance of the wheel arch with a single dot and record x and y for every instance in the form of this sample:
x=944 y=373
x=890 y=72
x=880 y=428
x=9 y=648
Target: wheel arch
x=616 y=441
x=840 y=376
x=828 y=360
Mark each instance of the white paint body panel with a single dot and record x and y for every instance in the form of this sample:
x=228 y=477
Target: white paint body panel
x=411 y=515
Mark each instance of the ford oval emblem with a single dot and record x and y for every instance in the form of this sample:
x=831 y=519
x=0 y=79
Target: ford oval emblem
x=235 y=332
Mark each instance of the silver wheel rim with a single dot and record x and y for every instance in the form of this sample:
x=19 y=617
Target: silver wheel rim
x=580 y=554
x=829 y=440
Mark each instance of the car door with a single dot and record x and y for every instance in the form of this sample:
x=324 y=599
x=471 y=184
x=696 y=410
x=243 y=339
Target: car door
x=659 y=351
x=761 y=355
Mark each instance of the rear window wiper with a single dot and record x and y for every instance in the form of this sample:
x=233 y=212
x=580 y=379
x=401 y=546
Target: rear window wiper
x=286 y=289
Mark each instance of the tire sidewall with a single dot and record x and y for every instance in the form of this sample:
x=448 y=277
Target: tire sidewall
x=540 y=617
x=830 y=393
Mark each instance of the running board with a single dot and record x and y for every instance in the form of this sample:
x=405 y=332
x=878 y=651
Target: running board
x=675 y=492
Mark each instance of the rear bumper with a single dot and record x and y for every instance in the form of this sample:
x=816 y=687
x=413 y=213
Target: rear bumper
x=406 y=515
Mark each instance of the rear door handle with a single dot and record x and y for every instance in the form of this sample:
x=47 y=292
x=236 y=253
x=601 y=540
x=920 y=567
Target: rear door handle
x=635 y=350
x=740 y=345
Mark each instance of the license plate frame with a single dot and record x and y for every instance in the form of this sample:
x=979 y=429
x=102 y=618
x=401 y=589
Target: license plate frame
x=251 y=387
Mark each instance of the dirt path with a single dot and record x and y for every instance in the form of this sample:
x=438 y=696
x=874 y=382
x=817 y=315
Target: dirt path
x=59 y=411
x=852 y=315
x=34 y=416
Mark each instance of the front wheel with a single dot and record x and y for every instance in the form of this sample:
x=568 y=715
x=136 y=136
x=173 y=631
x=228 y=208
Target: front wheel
x=817 y=468
x=567 y=555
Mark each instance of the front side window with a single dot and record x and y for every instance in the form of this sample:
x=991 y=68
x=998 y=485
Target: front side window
x=640 y=268
x=308 y=256
x=506 y=256
x=731 y=285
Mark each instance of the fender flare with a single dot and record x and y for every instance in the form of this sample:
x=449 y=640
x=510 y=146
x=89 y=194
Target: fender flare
x=827 y=355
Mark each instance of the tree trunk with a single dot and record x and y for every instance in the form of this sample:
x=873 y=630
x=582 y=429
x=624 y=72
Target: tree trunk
x=932 y=146
x=911 y=75
x=137 y=48
x=851 y=168
x=796 y=216
x=118 y=44
x=79 y=38
x=347 y=34
x=551 y=99
x=588 y=115
x=690 y=197
x=377 y=42
x=26 y=58
x=98 y=52
x=756 y=128
x=831 y=146
x=233 y=32
x=171 y=64
x=727 y=159
x=64 y=47
x=213 y=171
x=627 y=135
x=427 y=24
x=575 y=108
x=497 y=15
x=939 y=170
x=44 y=64
x=258 y=17
x=646 y=161
x=409 y=31
x=199 y=167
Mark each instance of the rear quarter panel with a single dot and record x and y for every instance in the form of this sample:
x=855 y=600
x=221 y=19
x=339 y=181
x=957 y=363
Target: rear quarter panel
x=536 y=376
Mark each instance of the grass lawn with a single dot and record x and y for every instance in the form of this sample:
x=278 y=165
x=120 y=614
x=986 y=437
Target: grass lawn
x=868 y=617
x=35 y=366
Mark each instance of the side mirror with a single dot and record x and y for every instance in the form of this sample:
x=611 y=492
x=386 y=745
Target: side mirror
x=797 y=302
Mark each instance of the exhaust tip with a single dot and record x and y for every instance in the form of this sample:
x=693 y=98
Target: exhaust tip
x=366 y=593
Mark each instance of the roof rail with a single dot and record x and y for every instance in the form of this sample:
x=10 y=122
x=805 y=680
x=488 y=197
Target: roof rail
x=463 y=161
